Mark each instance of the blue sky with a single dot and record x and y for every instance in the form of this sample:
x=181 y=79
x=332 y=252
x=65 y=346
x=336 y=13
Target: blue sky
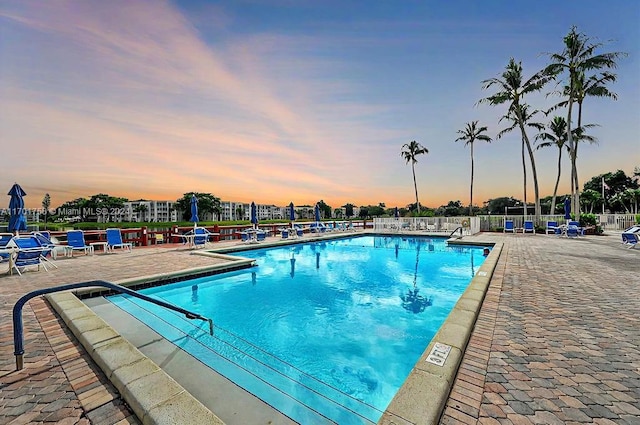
x=279 y=101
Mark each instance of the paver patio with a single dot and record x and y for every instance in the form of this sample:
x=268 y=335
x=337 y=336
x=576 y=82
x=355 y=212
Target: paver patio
x=557 y=339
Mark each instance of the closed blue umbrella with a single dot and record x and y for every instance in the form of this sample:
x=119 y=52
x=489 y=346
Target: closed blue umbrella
x=292 y=213
x=254 y=214
x=17 y=220
x=567 y=209
x=194 y=210
x=396 y=213
x=317 y=212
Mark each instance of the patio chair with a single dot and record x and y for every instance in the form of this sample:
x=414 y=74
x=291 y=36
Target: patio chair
x=114 y=240
x=201 y=237
x=51 y=248
x=630 y=239
x=299 y=230
x=285 y=233
x=573 y=231
x=75 y=242
x=30 y=252
x=508 y=227
x=528 y=227
x=260 y=236
x=551 y=227
x=5 y=238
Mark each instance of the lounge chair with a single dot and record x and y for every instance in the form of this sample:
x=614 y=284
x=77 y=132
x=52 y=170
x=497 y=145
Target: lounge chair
x=51 y=247
x=630 y=239
x=284 y=233
x=508 y=227
x=114 y=240
x=299 y=230
x=573 y=231
x=260 y=236
x=528 y=227
x=551 y=227
x=577 y=225
x=201 y=237
x=75 y=242
x=5 y=238
x=30 y=252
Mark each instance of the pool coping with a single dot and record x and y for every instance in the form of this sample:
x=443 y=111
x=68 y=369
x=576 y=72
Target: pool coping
x=423 y=396
x=421 y=399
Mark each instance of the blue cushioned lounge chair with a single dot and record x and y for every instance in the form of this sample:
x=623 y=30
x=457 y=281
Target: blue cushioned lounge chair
x=551 y=227
x=508 y=227
x=75 y=242
x=528 y=227
x=30 y=252
x=630 y=239
x=114 y=240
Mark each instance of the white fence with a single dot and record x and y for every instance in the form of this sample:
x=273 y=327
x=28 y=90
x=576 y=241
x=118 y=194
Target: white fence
x=487 y=223
x=617 y=222
x=444 y=225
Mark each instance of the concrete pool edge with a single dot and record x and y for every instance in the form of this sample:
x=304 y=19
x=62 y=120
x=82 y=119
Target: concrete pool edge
x=152 y=394
x=423 y=396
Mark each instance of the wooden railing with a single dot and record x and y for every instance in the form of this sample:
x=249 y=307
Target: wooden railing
x=144 y=236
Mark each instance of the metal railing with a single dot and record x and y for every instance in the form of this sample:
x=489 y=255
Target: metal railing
x=18 y=335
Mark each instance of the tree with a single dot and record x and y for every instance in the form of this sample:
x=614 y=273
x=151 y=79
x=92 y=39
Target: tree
x=325 y=210
x=452 y=209
x=617 y=183
x=105 y=205
x=577 y=58
x=46 y=204
x=526 y=118
x=207 y=204
x=556 y=136
x=409 y=152
x=498 y=205
x=512 y=90
x=348 y=210
x=470 y=134
x=239 y=212
x=590 y=198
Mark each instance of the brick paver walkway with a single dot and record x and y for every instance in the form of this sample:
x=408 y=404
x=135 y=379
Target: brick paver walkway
x=557 y=339
x=59 y=383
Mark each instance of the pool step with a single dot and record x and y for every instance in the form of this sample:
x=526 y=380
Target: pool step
x=283 y=386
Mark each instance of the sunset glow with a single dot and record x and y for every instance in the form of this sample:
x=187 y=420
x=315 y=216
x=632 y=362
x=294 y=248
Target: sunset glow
x=277 y=101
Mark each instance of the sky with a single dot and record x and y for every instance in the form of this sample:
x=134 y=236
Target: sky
x=279 y=101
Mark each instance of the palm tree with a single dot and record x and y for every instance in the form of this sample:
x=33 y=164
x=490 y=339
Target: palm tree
x=526 y=117
x=409 y=152
x=578 y=57
x=470 y=134
x=512 y=90
x=556 y=136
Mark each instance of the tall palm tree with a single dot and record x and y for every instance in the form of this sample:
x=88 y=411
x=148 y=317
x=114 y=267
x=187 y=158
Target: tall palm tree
x=526 y=118
x=409 y=152
x=556 y=136
x=512 y=90
x=577 y=58
x=470 y=134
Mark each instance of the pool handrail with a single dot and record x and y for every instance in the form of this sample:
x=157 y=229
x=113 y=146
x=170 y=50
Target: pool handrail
x=18 y=335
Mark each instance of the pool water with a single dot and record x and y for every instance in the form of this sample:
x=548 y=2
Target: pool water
x=326 y=331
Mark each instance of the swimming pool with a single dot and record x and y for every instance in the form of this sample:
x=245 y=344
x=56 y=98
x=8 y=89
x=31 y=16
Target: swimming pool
x=325 y=331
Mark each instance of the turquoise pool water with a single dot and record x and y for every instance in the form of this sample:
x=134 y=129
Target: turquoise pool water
x=324 y=332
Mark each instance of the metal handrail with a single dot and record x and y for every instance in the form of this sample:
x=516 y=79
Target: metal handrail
x=18 y=336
